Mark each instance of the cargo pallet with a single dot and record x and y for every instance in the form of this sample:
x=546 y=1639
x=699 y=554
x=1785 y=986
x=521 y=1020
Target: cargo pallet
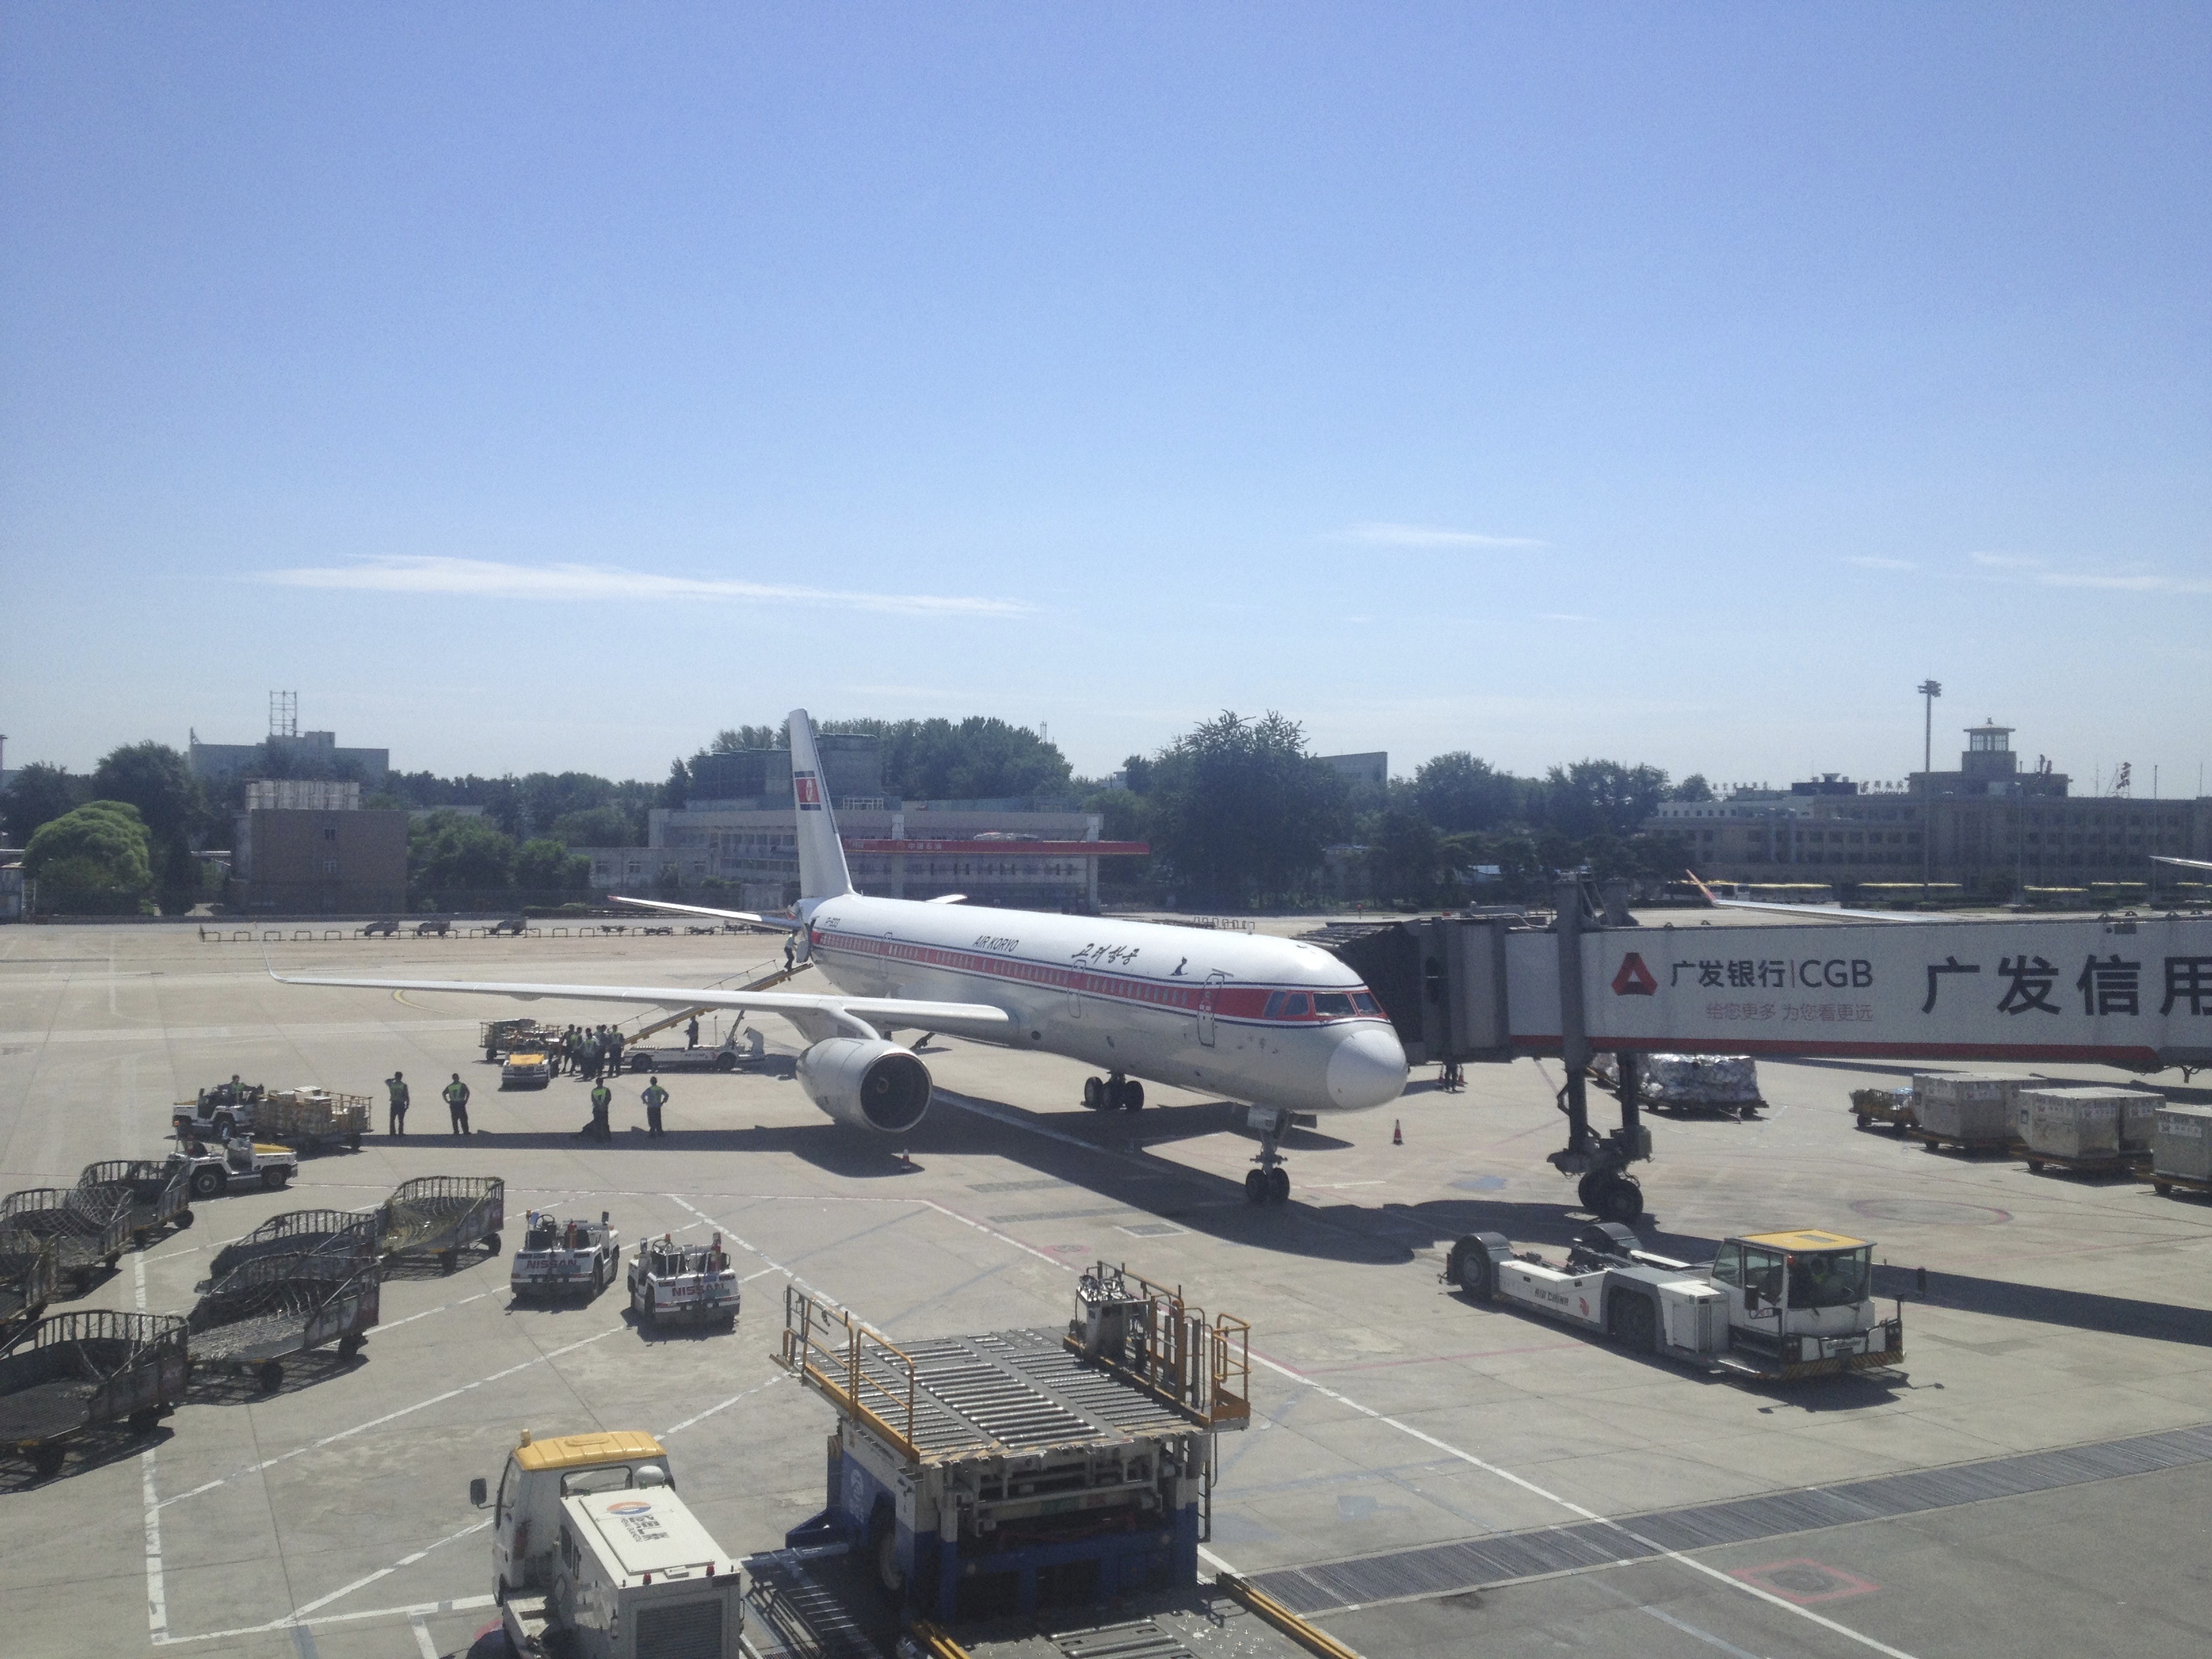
x=301 y=1232
x=1972 y=1145
x=69 y=1374
x=2102 y=1163
x=987 y=1474
x=2164 y=1182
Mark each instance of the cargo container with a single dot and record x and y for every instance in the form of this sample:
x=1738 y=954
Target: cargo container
x=2182 y=1155
x=2075 y=1128
x=1964 y=1107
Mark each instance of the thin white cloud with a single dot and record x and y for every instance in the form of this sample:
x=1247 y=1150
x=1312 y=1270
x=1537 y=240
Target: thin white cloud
x=1421 y=535
x=1876 y=561
x=490 y=579
x=2136 y=584
x=2006 y=560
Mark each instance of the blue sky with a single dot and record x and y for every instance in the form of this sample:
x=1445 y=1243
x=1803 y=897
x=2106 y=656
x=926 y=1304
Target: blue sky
x=543 y=386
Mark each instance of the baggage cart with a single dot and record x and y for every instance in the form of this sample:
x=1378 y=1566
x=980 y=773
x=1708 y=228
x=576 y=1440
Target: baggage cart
x=261 y=1313
x=1725 y=1085
x=493 y=1036
x=158 y=1191
x=1890 y=1106
x=310 y=1119
x=440 y=1215
x=72 y=1372
x=27 y=1279
x=301 y=1232
x=725 y=1056
x=87 y=1230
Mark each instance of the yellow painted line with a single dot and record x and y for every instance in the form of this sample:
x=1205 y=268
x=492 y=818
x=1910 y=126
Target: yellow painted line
x=937 y=1641
x=1310 y=1638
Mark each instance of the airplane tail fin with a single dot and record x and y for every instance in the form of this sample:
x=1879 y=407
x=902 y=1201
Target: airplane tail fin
x=821 y=871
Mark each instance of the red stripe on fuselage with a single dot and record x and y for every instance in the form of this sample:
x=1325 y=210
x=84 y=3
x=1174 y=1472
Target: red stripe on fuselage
x=1245 y=1003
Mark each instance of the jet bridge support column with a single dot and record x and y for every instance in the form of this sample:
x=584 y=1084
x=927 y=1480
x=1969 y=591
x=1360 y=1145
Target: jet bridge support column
x=1605 y=1187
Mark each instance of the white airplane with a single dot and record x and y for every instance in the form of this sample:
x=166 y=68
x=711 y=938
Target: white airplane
x=1283 y=1029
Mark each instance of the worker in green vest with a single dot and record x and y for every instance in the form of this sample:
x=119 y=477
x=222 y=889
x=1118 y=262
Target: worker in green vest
x=396 y=1084
x=457 y=1104
x=603 y=1100
x=654 y=1097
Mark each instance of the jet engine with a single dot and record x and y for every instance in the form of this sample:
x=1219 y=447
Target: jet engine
x=865 y=1085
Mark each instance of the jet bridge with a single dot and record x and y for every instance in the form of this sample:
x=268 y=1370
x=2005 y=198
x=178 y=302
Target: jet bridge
x=2132 y=991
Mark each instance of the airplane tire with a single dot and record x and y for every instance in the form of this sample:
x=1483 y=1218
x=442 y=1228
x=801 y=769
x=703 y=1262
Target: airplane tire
x=1619 y=1199
x=1255 y=1187
x=1132 y=1096
x=1094 y=1094
x=1586 y=1191
x=1279 y=1185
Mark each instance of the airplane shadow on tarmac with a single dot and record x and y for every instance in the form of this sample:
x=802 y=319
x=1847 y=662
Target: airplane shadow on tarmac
x=1111 y=1162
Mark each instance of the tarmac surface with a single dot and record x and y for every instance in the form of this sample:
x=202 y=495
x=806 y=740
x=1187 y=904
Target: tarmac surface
x=1422 y=1476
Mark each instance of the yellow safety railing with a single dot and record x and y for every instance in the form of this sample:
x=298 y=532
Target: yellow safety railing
x=1204 y=1369
x=857 y=1371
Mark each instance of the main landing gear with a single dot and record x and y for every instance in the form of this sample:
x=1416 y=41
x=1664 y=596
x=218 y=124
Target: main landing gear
x=1271 y=1182
x=1113 y=1094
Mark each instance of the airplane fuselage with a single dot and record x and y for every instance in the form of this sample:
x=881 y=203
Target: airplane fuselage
x=1247 y=1017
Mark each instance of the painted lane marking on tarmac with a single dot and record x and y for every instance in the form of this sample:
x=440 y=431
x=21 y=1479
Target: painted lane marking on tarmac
x=418 y=1610
x=546 y=1358
x=157 y=1600
x=300 y=1613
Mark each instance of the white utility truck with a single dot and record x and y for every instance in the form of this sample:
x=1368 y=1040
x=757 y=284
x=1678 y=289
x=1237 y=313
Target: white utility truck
x=1777 y=1306
x=564 y=1258
x=594 y=1555
x=683 y=1283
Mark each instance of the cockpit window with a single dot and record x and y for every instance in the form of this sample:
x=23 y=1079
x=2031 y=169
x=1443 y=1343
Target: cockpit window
x=1332 y=1005
x=1365 y=1001
x=1274 y=1009
x=1294 y=1005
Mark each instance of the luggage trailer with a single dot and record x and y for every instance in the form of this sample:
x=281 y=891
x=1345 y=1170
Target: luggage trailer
x=1772 y=1307
x=983 y=1475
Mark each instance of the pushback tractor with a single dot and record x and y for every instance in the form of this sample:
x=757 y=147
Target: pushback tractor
x=1776 y=1306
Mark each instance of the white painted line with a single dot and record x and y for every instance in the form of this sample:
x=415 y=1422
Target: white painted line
x=316 y=1606
x=423 y=1644
x=1573 y=1508
x=725 y=1405
x=419 y=1610
x=157 y=1597
x=389 y=1417
x=394 y=1324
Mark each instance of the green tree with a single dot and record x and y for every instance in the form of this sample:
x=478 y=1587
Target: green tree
x=154 y=778
x=598 y=826
x=677 y=790
x=1594 y=796
x=93 y=859
x=982 y=758
x=547 y=866
x=1241 y=810
x=1406 y=855
x=448 y=852
x=734 y=739
x=37 y=795
x=1693 y=787
x=1458 y=793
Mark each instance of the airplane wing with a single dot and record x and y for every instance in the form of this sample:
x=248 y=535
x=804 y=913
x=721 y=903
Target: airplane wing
x=1829 y=912
x=2186 y=863
x=788 y=924
x=816 y=1016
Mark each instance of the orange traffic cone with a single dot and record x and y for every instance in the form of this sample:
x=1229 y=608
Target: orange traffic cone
x=1397 y=1133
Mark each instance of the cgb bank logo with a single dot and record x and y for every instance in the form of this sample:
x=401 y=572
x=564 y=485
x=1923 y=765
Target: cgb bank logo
x=808 y=789
x=1634 y=979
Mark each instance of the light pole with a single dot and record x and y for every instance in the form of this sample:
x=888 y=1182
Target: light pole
x=1930 y=691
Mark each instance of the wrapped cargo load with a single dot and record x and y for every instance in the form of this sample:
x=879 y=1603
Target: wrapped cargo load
x=1965 y=1105
x=2139 y=1121
x=2073 y=1124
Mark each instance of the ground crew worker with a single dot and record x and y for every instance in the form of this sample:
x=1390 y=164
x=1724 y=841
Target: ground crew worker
x=654 y=1097
x=397 y=1082
x=603 y=1100
x=691 y=1033
x=614 y=1051
x=457 y=1104
x=789 y=950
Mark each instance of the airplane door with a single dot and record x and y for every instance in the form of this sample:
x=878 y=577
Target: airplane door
x=1206 y=995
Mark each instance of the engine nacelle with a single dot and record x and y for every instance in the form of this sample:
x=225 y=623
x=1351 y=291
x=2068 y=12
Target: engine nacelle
x=865 y=1085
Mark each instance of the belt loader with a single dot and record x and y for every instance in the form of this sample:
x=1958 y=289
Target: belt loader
x=594 y=1555
x=1776 y=1306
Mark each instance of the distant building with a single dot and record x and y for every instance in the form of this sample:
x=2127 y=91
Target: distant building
x=1369 y=771
x=1011 y=856
x=852 y=768
x=324 y=860
x=1992 y=826
x=306 y=754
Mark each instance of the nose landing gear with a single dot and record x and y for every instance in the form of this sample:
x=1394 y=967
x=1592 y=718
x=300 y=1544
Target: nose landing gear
x=1271 y=1182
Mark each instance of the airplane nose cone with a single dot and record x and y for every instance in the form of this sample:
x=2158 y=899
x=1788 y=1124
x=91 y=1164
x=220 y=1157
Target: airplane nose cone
x=1368 y=1069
